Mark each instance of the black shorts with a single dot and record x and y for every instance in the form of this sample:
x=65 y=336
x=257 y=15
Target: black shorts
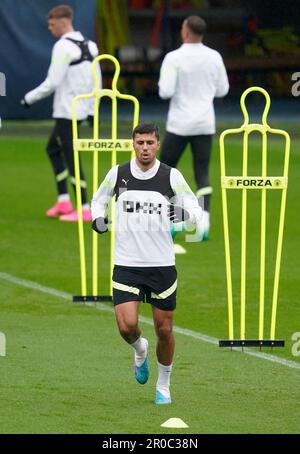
x=155 y=285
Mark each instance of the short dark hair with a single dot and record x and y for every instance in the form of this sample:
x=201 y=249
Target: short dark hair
x=146 y=128
x=60 y=12
x=196 y=25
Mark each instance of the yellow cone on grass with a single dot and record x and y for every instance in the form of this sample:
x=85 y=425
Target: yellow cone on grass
x=174 y=423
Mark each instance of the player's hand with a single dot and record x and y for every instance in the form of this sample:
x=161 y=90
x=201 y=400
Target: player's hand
x=100 y=225
x=90 y=120
x=24 y=103
x=177 y=214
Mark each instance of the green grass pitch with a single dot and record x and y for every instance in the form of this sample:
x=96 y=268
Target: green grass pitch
x=68 y=371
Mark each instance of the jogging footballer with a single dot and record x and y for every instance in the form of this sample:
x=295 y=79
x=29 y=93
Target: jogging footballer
x=150 y=196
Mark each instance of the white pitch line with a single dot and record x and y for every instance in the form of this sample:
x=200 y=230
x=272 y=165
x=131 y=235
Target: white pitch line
x=35 y=286
x=177 y=329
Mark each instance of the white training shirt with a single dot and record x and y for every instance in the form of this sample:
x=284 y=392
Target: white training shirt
x=143 y=238
x=68 y=81
x=192 y=76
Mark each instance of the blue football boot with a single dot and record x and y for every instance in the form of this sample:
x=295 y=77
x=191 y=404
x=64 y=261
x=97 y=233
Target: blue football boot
x=142 y=372
x=161 y=398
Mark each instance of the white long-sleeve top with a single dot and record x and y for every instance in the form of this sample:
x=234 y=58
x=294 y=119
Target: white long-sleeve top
x=192 y=76
x=142 y=228
x=67 y=81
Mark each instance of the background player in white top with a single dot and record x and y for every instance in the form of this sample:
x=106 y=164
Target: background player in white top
x=191 y=77
x=149 y=197
x=69 y=75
